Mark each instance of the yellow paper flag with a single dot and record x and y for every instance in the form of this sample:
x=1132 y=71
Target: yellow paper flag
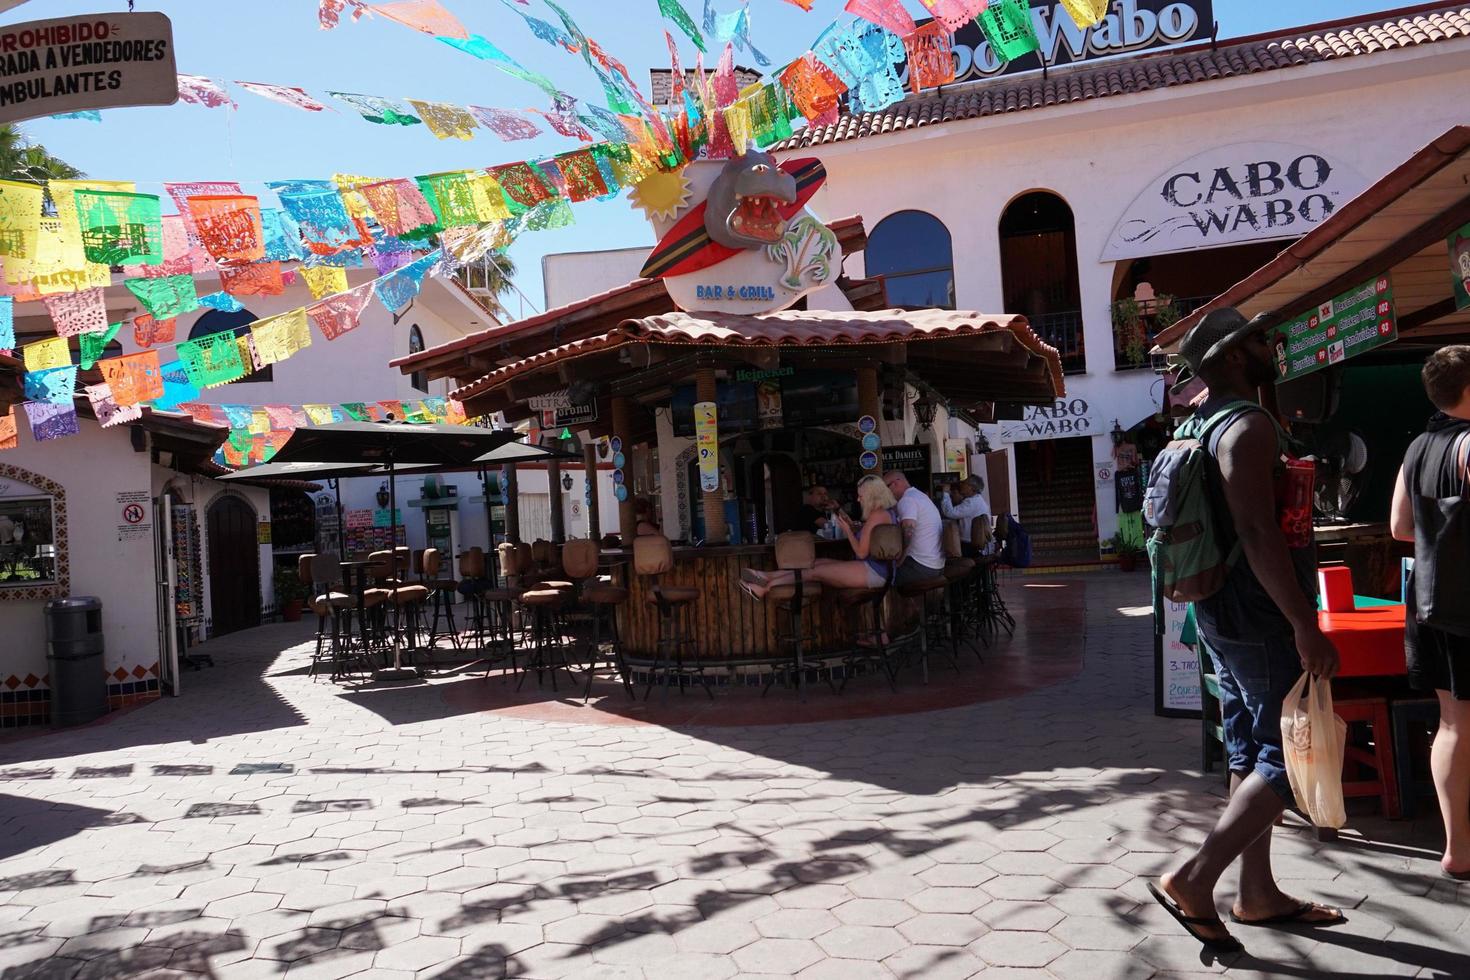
x=444 y=120
x=278 y=337
x=737 y=120
x=352 y=199
x=324 y=280
x=260 y=421
x=319 y=414
x=20 y=218
x=44 y=355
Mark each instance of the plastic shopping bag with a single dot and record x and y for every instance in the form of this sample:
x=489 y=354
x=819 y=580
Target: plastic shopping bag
x=1313 y=738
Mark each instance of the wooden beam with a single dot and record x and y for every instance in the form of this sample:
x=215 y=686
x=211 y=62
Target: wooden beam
x=1426 y=316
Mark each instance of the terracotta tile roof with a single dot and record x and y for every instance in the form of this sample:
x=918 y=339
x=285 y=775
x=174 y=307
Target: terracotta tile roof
x=1410 y=27
x=1034 y=366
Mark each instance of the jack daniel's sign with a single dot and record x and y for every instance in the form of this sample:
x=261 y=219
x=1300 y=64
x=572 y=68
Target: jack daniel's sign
x=1130 y=25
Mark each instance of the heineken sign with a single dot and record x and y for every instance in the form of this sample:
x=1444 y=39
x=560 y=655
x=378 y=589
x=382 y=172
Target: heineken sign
x=1130 y=25
x=1347 y=325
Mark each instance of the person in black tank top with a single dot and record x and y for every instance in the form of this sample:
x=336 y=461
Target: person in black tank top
x=1436 y=466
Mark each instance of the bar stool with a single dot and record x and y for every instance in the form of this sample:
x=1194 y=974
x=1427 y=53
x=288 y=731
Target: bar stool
x=580 y=559
x=320 y=575
x=376 y=600
x=958 y=572
x=796 y=552
x=477 y=589
x=544 y=559
x=548 y=652
x=885 y=544
x=441 y=593
x=990 y=605
x=653 y=557
x=929 y=592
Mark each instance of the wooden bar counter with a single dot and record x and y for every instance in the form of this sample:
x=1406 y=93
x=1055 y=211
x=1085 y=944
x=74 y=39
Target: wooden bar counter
x=727 y=625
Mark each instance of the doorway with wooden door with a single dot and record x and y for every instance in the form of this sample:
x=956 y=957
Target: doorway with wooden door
x=234 y=566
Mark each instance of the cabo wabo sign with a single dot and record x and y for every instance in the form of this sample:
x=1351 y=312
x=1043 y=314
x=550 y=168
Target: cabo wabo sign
x=1129 y=25
x=1244 y=192
x=735 y=236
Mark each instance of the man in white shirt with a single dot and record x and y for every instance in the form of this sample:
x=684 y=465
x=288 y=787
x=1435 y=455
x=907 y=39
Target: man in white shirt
x=920 y=521
x=971 y=504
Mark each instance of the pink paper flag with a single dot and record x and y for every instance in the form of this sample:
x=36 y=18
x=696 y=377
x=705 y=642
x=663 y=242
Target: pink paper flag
x=286 y=95
x=338 y=314
x=888 y=14
x=428 y=16
x=508 y=124
x=954 y=14
x=180 y=255
x=84 y=311
x=204 y=91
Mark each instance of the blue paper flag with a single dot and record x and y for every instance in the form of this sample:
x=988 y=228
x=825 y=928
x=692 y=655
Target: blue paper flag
x=90 y=115
x=7 y=323
x=395 y=290
x=55 y=386
x=282 y=236
x=176 y=387
x=222 y=301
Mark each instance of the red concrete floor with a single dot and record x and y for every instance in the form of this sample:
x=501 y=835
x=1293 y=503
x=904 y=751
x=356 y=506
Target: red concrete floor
x=1046 y=649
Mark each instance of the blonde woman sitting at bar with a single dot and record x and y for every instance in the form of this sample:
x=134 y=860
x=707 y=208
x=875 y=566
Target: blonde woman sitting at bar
x=859 y=573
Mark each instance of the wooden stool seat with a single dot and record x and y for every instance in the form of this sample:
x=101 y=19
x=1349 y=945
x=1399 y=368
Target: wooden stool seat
x=958 y=568
x=674 y=595
x=923 y=587
x=323 y=604
x=542 y=597
x=376 y=597
x=605 y=595
x=558 y=584
x=786 y=593
x=406 y=595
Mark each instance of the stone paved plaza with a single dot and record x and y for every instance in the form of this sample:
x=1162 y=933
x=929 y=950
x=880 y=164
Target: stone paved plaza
x=267 y=824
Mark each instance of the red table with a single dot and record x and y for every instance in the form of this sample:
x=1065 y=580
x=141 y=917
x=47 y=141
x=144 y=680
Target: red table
x=1370 y=640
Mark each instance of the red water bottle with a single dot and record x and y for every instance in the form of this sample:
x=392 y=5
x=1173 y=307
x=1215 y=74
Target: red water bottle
x=1294 y=502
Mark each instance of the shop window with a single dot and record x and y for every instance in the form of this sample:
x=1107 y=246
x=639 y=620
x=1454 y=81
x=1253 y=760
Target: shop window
x=33 y=561
x=418 y=379
x=1038 y=266
x=217 y=321
x=912 y=250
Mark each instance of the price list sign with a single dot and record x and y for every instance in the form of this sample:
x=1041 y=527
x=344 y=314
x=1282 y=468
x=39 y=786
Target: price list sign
x=707 y=445
x=1345 y=326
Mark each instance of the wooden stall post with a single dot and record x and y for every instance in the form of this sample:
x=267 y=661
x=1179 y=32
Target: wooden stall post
x=621 y=429
x=512 y=505
x=589 y=468
x=870 y=402
x=706 y=389
x=558 y=514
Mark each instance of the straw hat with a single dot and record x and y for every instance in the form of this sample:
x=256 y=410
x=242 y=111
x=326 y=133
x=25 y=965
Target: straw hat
x=1219 y=331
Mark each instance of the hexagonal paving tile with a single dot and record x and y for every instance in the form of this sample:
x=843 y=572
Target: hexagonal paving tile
x=782 y=957
x=1003 y=948
x=1020 y=916
x=861 y=942
x=873 y=912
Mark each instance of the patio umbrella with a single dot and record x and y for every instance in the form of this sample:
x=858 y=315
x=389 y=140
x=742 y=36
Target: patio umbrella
x=389 y=445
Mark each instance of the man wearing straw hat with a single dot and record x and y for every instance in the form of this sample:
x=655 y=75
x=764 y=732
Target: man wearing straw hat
x=1260 y=630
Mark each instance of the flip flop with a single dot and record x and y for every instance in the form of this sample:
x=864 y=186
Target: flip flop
x=749 y=589
x=1222 y=946
x=1297 y=916
x=753 y=575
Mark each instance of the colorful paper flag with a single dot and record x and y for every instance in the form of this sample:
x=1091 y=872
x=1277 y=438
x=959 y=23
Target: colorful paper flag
x=221 y=301
x=134 y=378
x=954 y=14
x=507 y=124
x=120 y=228
x=286 y=95
x=108 y=411
x=453 y=198
x=813 y=87
x=204 y=91
x=324 y=280
x=445 y=121
x=229 y=226
x=1007 y=26
x=93 y=345
x=165 y=298
x=56 y=385
x=76 y=313
x=7 y=323
x=338 y=314
x=279 y=337
x=523 y=187
x=8 y=439
x=20 y=218
x=674 y=11
x=1085 y=13
x=51 y=421
x=582 y=175
x=396 y=289
x=317 y=207
x=931 y=56
x=252 y=279
x=177 y=388
x=52 y=352
x=320 y=414
x=400 y=208
x=147 y=330
x=282 y=236
x=212 y=360
x=428 y=16
x=375 y=109
x=888 y=14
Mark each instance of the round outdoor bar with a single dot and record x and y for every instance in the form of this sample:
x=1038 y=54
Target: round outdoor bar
x=634 y=368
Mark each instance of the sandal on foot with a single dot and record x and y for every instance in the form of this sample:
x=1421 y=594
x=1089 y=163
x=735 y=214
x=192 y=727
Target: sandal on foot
x=1221 y=945
x=1298 y=916
x=753 y=575
x=749 y=589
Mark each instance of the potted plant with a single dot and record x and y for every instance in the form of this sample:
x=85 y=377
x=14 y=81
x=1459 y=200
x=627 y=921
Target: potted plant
x=1130 y=338
x=290 y=594
x=1127 y=551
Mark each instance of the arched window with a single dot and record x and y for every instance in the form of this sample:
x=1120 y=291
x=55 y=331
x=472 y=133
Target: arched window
x=1038 y=267
x=912 y=250
x=415 y=344
x=217 y=321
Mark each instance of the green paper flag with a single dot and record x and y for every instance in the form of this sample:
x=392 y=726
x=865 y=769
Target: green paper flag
x=119 y=228
x=676 y=13
x=1007 y=26
x=93 y=344
x=165 y=298
x=213 y=360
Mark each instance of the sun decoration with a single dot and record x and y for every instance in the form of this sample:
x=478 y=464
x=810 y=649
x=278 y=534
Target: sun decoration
x=663 y=195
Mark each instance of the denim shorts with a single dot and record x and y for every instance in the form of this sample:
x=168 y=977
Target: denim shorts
x=1255 y=677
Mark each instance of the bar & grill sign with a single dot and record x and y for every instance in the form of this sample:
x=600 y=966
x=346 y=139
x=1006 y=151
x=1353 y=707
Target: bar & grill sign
x=1346 y=325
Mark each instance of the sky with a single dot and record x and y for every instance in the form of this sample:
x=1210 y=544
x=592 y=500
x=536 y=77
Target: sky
x=280 y=41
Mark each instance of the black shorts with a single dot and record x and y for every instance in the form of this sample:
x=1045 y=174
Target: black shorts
x=910 y=571
x=1438 y=661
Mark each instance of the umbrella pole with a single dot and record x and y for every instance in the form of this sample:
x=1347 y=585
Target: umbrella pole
x=341 y=529
x=397 y=672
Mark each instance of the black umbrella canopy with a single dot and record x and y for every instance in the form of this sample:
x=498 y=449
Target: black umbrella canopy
x=303 y=470
x=519 y=452
x=392 y=443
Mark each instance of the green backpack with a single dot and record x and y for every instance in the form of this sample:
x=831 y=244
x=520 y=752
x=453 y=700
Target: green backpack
x=1190 y=552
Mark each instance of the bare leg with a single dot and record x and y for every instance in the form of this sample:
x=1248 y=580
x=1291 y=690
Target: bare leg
x=1253 y=808
x=1449 y=761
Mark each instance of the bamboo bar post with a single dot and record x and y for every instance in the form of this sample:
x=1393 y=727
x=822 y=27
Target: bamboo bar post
x=715 y=532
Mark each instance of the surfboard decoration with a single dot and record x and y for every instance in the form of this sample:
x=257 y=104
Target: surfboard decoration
x=753 y=220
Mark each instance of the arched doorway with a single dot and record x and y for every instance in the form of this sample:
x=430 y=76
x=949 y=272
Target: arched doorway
x=234 y=566
x=1038 y=266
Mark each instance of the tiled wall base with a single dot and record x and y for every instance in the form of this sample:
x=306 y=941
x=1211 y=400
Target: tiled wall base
x=27 y=701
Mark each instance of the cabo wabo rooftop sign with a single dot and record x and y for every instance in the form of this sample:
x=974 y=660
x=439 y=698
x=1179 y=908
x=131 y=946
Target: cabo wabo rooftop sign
x=1245 y=192
x=94 y=61
x=1130 y=25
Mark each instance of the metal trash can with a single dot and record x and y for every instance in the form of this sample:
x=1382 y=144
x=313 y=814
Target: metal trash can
x=74 y=660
